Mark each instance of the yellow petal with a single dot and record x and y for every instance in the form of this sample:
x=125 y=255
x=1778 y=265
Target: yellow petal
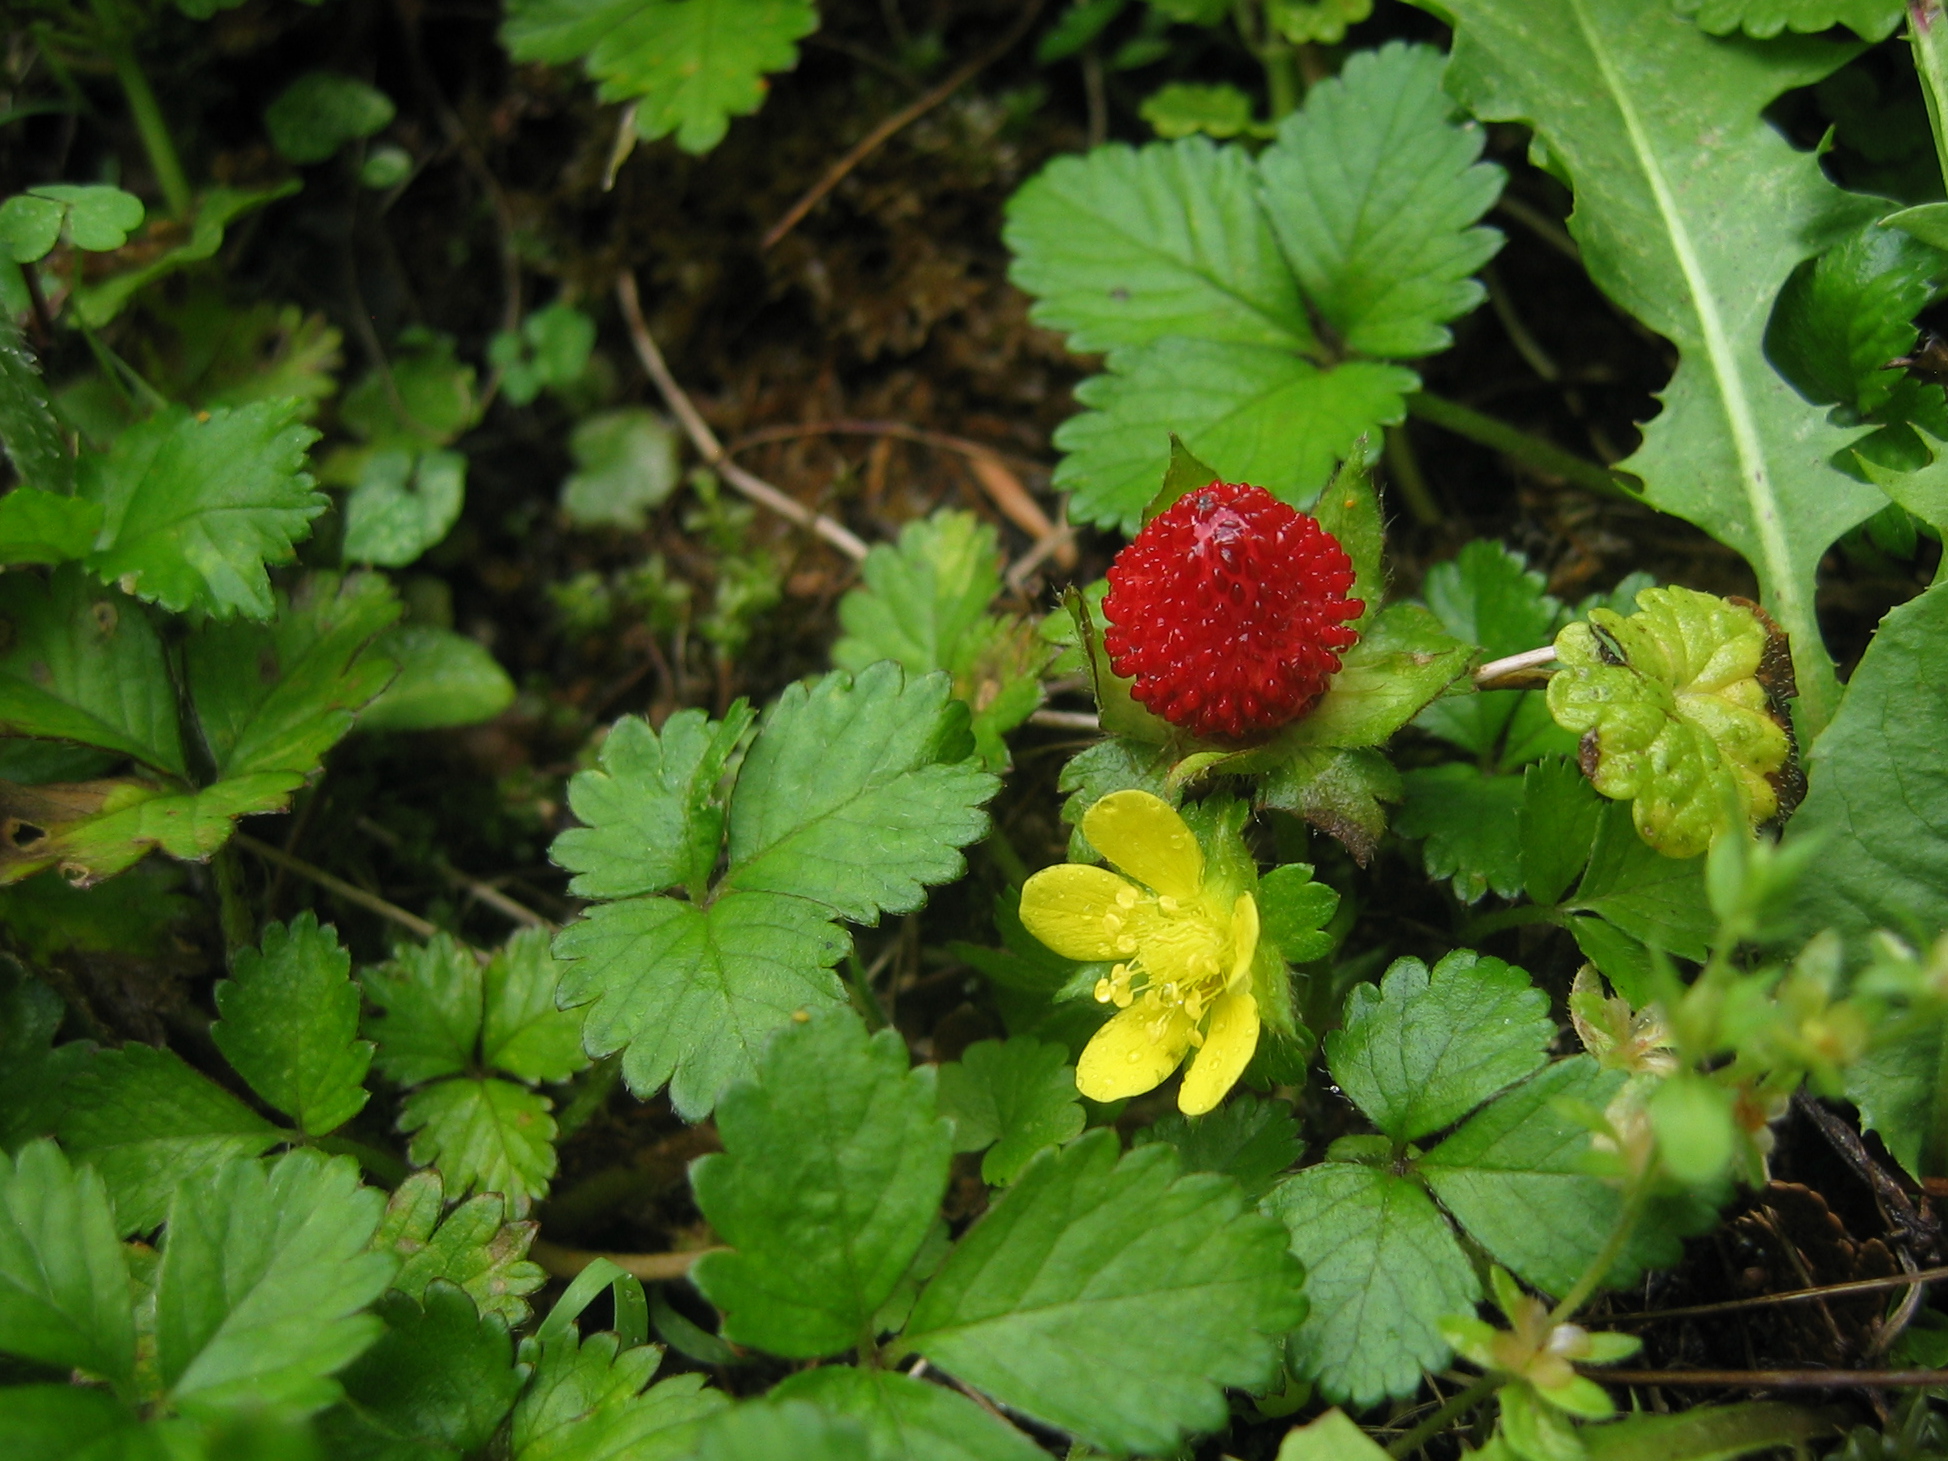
x=1143 y=835
x=1229 y=1040
x=1123 y=1058
x=1073 y=909
x=1244 y=940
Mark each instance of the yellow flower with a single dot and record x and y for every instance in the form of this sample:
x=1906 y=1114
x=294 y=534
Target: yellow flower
x=1184 y=948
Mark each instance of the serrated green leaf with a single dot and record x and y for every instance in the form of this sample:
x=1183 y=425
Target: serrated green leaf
x=1517 y=1177
x=33 y=1071
x=1619 y=957
x=276 y=697
x=586 y=1403
x=1844 y=315
x=1468 y=820
x=404 y=503
x=206 y=348
x=1422 y=1050
x=692 y=995
x=1695 y=241
x=1010 y=1098
x=1332 y=1437
x=761 y=1429
x=484 y=1136
x=98 y=303
x=1349 y=509
x=625 y=464
x=145 y=1121
x=424 y=399
x=524 y=1034
x=64 y=1281
x=44 y=527
x=1115 y=1299
x=1374 y=190
x=1677 y=711
x=1339 y=791
x=320 y=112
x=1880 y=789
x=1249 y=1139
x=429 y=1010
x=1486 y=597
x=1123 y=247
x=908 y=1418
x=846 y=797
x=1923 y=490
x=1655 y=899
x=1293 y=910
x=289 y=1025
x=833 y=1168
x=436 y=1384
x=93 y=830
x=63 y=1422
x=28 y=430
x=444 y=679
x=1872 y=20
x=689 y=66
x=474 y=1247
x=1899 y=1086
x=264 y=1276
x=654 y=810
x=1382 y=1268
x=194 y=506
x=1557 y=824
x=1257 y=413
x=82 y=663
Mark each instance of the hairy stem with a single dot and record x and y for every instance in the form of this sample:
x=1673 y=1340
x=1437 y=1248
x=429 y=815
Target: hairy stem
x=146 y=111
x=1508 y=440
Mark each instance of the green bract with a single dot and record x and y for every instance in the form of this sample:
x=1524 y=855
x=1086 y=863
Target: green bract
x=1680 y=711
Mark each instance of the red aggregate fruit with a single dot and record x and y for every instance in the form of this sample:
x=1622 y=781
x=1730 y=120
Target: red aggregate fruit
x=1228 y=610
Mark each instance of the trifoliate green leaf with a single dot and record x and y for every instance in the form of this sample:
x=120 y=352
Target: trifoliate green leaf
x=1258 y=413
x=1485 y=597
x=1844 y=315
x=1186 y=108
x=44 y=527
x=82 y=663
x=759 y=1430
x=484 y=1136
x=474 y=1246
x=655 y=808
x=1557 y=823
x=98 y=219
x=145 y=1121
x=625 y=464
x=34 y=1072
x=34 y=441
x=1422 y=1050
x=320 y=112
x=1680 y=710
x=194 y=506
x=64 y=1281
x=425 y=399
x=1872 y=20
x=1468 y=818
x=1517 y=1177
x=404 y=503
x=692 y=995
x=1382 y=1268
x=586 y=1402
x=436 y=1384
x=444 y=679
x=1116 y=1299
x=430 y=1009
x=1338 y=791
x=1878 y=795
x=1010 y=1098
x=524 y=1034
x=1374 y=190
x=1249 y=1139
x=276 y=697
x=848 y=796
x=264 y=1276
x=1655 y=899
x=907 y=1418
x=688 y=66
x=833 y=1168
x=1619 y=99
x=1123 y=247
x=95 y=304
x=95 y=829
x=551 y=352
x=289 y=1025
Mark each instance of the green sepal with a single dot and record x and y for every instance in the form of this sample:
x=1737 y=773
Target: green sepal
x=1184 y=475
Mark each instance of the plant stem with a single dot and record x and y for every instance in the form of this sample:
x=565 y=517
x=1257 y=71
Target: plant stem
x=860 y=984
x=1510 y=918
x=1440 y=1420
x=146 y=111
x=1506 y=439
x=1281 y=77
x=233 y=907
x=384 y=1166
x=1606 y=1257
x=1404 y=468
x=1927 y=32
